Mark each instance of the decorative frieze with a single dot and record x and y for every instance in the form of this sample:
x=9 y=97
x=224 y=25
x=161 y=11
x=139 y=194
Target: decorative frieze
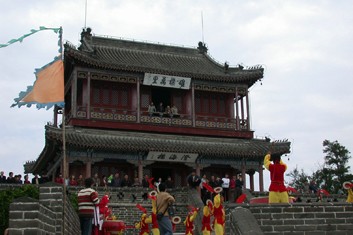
x=210 y=124
x=215 y=88
x=115 y=117
x=107 y=77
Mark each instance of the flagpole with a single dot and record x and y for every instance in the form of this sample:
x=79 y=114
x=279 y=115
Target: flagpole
x=64 y=142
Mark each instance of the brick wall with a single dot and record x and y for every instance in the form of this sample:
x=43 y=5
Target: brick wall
x=44 y=216
x=299 y=218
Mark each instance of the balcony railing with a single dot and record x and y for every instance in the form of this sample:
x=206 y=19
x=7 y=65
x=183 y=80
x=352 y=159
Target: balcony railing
x=179 y=120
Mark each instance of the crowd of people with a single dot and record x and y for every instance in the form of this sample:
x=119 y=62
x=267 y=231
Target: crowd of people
x=171 y=111
x=17 y=179
x=231 y=188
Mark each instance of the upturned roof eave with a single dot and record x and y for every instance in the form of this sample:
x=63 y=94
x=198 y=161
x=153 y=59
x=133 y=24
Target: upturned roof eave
x=144 y=142
x=242 y=76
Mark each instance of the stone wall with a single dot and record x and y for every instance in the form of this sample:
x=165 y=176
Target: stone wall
x=44 y=216
x=296 y=218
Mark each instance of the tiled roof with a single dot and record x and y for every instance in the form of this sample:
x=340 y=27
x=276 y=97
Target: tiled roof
x=141 y=57
x=113 y=140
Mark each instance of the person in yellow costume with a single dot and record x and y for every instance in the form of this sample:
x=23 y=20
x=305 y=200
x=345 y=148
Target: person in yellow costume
x=350 y=195
x=153 y=216
x=144 y=222
x=189 y=221
x=219 y=215
x=347 y=185
x=206 y=218
x=278 y=191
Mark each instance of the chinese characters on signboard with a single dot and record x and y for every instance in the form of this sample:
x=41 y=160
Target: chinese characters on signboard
x=171 y=157
x=151 y=79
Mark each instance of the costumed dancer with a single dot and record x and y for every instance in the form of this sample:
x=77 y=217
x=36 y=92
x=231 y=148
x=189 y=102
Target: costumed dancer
x=101 y=213
x=218 y=213
x=153 y=216
x=104 y=213
x=206 y=218
x=144 y=222
x=175 y=220
x=189 y=221
x=348 y=186
x=278 y=191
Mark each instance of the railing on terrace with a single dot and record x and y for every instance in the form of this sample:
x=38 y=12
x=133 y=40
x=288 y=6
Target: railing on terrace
x=181 y=119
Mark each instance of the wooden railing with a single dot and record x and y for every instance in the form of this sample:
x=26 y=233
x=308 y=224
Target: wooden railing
x=181 y=119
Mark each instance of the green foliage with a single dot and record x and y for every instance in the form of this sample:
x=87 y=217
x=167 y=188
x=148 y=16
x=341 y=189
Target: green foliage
x=8 y=195
x=300 y=180
x=335 y=171
x=332 y=174
x=74 y=200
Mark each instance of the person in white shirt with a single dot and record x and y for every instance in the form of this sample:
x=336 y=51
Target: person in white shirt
x=225 y=186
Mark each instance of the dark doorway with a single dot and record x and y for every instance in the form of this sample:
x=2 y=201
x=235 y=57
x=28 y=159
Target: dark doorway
x=163 y=173
x=161 y=95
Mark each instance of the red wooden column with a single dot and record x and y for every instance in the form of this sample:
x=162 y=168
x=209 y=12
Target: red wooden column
x=88 y=168
x=193 y=104
x=140 y=171
x=138 y=101
x=261 y=178
x=247 y=111
x=198 y=169
x=243 y=173
x=74 y=95
x=88 y=92
x=237 y=110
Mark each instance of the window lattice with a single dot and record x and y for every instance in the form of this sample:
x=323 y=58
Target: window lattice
x=115 y=96
x=145 y=100
x=106 y=99
x=213 y=104
x=222 y=105
x=210 y=104
x=198 y=104
x=124 y=97
x=96 y=96
x=205 y=104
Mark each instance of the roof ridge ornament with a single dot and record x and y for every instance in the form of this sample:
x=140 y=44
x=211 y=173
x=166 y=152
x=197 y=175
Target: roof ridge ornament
x=202 y=48
x=86 y=40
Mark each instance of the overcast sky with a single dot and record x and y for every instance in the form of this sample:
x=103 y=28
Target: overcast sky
x=305 y=47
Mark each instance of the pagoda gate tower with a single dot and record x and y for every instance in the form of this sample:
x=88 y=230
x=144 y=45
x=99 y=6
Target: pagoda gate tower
x=201 y=119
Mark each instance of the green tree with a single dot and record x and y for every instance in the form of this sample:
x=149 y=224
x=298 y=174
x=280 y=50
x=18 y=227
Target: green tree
x=299 y=179
x=335 y=171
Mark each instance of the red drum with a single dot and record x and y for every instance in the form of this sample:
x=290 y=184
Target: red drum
x=113 y=227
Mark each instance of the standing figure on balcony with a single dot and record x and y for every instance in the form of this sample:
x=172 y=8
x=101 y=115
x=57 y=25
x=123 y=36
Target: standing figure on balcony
x=151 y=109
x=278 y=191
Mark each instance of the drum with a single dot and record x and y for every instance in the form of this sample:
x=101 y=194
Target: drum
x=113 y=227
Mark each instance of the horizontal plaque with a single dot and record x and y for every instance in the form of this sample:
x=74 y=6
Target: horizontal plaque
x=171 y=157
x=161 y=80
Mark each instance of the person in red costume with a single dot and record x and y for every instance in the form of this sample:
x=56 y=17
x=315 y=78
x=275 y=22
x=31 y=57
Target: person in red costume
x=189 y=221
x=219 y=215
x=143 y=224
x=278 y=191
x=153 y=216
x=206 y=218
